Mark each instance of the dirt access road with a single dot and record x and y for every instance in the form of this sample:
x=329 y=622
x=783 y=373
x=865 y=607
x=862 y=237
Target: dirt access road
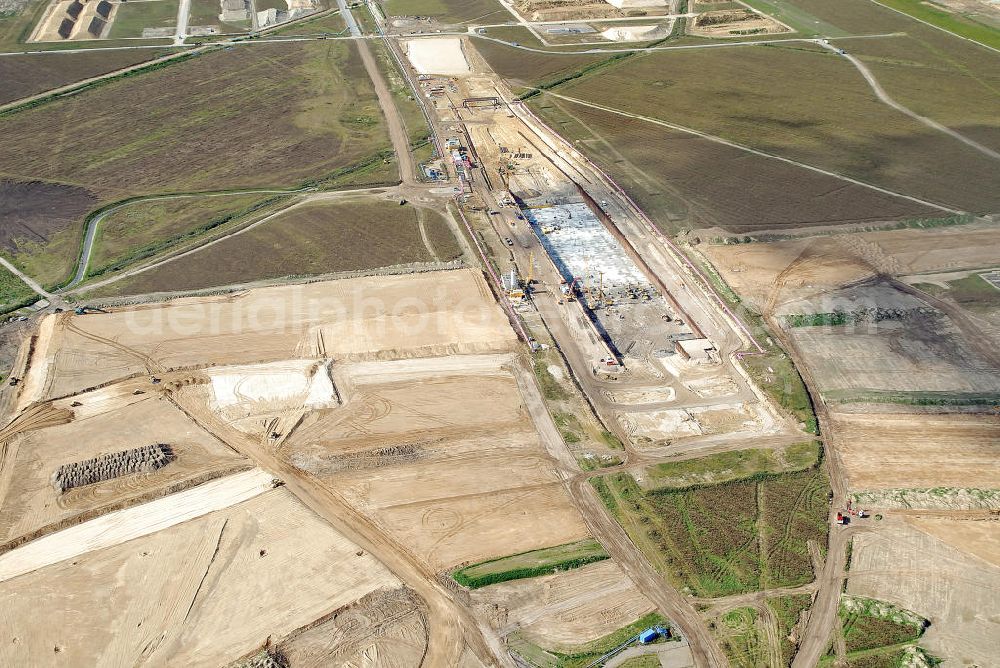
x=451 y=628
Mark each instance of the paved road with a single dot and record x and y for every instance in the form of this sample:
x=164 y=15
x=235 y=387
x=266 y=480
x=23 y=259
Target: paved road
x=884 y=97
x=352 y=24
x=183 y=10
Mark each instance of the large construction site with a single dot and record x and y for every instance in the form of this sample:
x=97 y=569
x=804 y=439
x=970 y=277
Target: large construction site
x=572 y=441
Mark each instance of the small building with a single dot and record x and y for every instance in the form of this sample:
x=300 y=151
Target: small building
x=234 y=10
x=696 y=350
x=648 y=636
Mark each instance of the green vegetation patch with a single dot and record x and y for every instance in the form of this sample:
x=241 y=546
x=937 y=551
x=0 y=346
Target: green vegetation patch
x=870 y=624
x=551 y=388
x=913 y=398
x=857 y=136
x=724 y=539
x=734 y=465
x=973 y=293
x=787 y=611
x=962 y=25
x=147 y=228
x=132 y=17
x=742 y=638
x=13 y=292
x=531 y=564
x=316 y=238
x=261 y=116
x=586 y=654
x=743 y=635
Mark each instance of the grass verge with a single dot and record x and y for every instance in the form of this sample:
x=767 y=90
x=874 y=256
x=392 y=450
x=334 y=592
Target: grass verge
x=530 y=564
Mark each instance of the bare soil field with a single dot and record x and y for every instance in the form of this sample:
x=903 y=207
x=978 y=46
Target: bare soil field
x=277 y=115
x=32 y=211
x=386 y=628
x=269 y=563
x=421 y=455
x=734 y=23
x=939 y=580
x=24 y=76
x=564 y=610
x=686 y=182
x=883 y=451
x=364 y=318
x=822 y=113
x=767 y=275
x=312 y=239
x=30 y=502
x=921 y=353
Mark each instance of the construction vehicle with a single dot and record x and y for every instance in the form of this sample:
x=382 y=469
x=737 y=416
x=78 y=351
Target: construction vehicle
x=83 y=310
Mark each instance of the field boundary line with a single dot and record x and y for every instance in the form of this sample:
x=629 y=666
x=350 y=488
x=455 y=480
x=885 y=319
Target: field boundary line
x=764 y=154
x=884 y=97
x=314 y=197
x=83 y=84
x=937 y=27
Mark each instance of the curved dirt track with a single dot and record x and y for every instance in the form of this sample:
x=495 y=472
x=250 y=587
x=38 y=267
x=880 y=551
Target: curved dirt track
x=451 y=628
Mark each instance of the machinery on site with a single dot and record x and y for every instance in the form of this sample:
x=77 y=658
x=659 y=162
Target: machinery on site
x=84 y=310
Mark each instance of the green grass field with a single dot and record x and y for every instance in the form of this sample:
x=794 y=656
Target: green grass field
x=734 y=465
x=973 y=293
x=958 y=24
x=145 y=229
x=743 y=637
x=132 y=17
x=724 y=539
x=530 y=564
x=823 y=113
x=13 y=292
x=328 y=24
x=313 y=239
x=409 y=109
x=261 y=116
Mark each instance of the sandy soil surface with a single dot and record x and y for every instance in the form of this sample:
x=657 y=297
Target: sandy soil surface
x=958 y=593
x=634 y=33
x=564 y=610
x=421 y=455
x=439 y=55
x=770 y=273
x=125 y=525
x=642 y=396
x=734 y=23
x=30 y=502
x=980 y=538
x=928 y=353
x=385 y=628
x=199 y=593
x=889 y=451
x=365 y=318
